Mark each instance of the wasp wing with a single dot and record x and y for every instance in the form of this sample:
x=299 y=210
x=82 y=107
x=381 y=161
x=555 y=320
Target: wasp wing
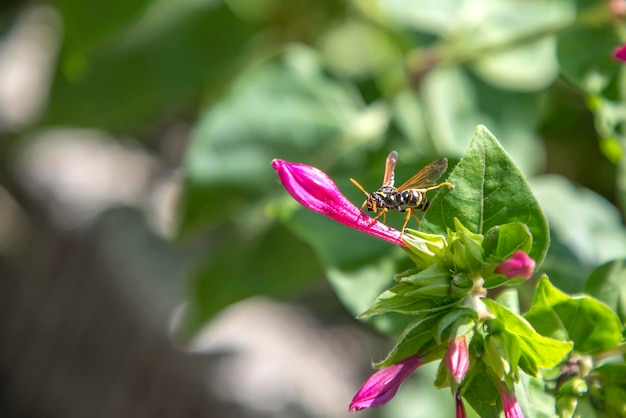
x=390 y=166
x=427 y=176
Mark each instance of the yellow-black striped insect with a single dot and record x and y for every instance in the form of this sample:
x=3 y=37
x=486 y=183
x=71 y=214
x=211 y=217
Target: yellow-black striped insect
x=410 y=196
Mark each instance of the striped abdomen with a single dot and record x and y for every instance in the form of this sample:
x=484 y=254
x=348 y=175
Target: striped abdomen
x=412 y=198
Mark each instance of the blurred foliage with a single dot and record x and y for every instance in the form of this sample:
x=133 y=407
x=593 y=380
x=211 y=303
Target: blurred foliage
x=337 y=85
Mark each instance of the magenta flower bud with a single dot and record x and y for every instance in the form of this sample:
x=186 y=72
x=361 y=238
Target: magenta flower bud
x=457 y=358
x=383 y=385
x=460 y=409
x=518 y=265
x=620 y=53
x=313 y=189
x=510 y=405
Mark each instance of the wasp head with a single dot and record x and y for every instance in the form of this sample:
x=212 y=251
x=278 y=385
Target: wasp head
x=375 y=201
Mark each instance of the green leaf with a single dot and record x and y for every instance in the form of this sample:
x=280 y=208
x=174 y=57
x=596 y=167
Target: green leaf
x=589 y=323
x=482 y=393
x=543 y=351
x=466 y=249
x=257 y=268
x=564 y=268
x=392 y=301
x=425 y=249
x=286 y=108
x=422 y=278
x=456 y=318
x=359 y=267
x=502 y=241
x=608 y=284
x=455 y=102
x=490 y=191
x=607 y=389
x=598 y=235
x=532 y=397
x=612 y=373
x=140 y=60
x=416 y=337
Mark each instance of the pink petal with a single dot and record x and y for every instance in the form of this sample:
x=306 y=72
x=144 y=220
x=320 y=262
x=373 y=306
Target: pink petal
x=315 y=190
x=518 y=265
x=457 y=358
x=382 y=386
x=510 y=405
x=460 y=409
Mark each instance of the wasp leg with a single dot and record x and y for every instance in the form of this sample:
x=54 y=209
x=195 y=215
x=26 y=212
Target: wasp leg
x=417 y=218
x=383 y=213
x=410 y=211
x=445 y=183
x=406 y=220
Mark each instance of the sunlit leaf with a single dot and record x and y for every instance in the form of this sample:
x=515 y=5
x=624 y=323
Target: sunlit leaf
x=490 y=191
x=608 y=284
x=589 y=323
x=543 y=351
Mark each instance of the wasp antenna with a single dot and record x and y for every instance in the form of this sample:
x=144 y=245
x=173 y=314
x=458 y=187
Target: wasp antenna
x=356 y=183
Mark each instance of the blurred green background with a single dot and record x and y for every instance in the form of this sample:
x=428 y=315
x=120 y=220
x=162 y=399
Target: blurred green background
x=151 y=265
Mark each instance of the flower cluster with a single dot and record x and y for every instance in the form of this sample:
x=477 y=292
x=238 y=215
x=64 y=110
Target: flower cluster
x=445 y=295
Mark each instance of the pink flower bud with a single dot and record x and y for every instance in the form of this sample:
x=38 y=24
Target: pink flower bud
x=313 y=189
x=518 y=265
x=382 y=386
x=510 y=405
x=620 y=53
x=457 y=358
x=460 y=409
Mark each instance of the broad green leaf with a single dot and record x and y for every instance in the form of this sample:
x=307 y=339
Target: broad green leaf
x=466 y=248
x=543 y=351
x=589 y=323
x=482 y=394
x=563 y=267
x=533 y=399
x=255 y=268
x=424 y=277
x=490 y=191
x=585 y=408
x=608 y=284
x=87 y=25
x=416 y=337
x=517 y=34
x=508 y=69
x=455 y=103
x=588 y=224
x=286 y=108
x=359 y=267
x=502 y=241
x=359 y=49
x=615 y=373
x=455 y=318
x=126 y=62
x=390 y=301
x=451 y=106
x=616 y=400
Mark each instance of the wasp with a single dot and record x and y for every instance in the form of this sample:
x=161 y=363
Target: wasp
x=410 y=196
